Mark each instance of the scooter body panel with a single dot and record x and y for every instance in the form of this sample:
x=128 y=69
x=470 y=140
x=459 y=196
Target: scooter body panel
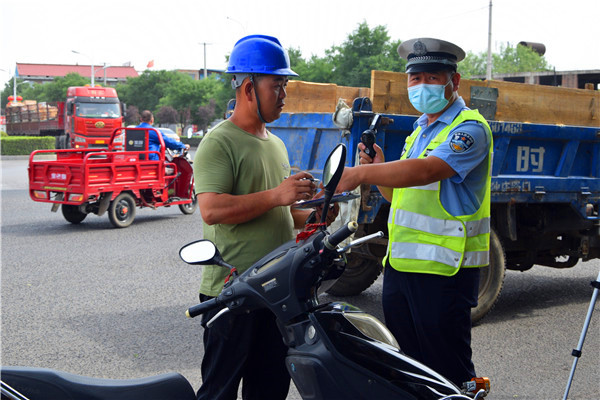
x=329 y=358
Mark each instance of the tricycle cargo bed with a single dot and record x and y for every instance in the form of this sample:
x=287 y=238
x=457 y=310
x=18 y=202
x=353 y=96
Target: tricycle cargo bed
x=81 y=174
x=89 y=181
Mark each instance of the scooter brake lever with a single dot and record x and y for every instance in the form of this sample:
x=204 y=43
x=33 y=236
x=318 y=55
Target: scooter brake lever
x=360 y=241
x=210 y=323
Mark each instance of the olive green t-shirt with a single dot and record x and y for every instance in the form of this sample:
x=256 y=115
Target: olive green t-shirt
x=231 y=160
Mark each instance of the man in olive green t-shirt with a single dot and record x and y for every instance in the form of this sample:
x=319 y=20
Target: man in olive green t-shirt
x=245 y=189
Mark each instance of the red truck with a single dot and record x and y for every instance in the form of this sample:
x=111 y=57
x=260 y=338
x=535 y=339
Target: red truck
x=85 y=120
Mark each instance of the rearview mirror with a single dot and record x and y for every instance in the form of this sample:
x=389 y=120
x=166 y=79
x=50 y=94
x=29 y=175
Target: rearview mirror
x=334 y=167
x=332 y=173
x=202 y=252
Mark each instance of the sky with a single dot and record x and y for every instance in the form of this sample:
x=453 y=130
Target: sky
x=175 y=33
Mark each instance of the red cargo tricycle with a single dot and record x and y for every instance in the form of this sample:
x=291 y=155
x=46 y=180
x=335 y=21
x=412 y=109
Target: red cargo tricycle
x=86 y=181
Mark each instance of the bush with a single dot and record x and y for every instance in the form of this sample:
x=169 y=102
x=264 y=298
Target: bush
x=2 y=134
x=24 y=145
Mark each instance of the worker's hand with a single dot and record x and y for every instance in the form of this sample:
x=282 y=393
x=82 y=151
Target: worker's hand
x=366 y=159
x=298 y=187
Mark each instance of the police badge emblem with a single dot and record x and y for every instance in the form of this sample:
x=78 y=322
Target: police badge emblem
x=461 y=142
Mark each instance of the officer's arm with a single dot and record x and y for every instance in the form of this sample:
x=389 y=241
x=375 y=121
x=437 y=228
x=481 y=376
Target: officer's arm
x=397 y=174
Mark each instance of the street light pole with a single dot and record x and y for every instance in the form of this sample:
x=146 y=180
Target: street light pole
x=15 y=84
x=204 y=43
x=91 y=62
x=488 y=74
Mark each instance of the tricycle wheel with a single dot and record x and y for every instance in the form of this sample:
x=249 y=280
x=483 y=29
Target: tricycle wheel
x=491 y=279
x=189 y=208
x=72 y=213
x=121 y=211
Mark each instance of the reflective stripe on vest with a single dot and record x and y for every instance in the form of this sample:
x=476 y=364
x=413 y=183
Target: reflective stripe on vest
x=424 y=237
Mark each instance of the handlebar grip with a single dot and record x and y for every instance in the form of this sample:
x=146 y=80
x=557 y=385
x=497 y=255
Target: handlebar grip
x=203 y=307
x=338 y=236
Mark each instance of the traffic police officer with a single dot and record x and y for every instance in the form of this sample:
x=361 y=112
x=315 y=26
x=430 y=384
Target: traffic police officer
x=439 y=222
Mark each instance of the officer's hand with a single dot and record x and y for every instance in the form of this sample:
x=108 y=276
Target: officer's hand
x=366 y=159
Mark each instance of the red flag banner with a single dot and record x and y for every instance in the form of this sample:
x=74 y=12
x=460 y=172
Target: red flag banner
x=150 y=64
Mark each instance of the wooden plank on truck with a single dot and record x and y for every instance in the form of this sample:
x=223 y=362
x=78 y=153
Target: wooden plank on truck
x=311 y=97
x=519 y=102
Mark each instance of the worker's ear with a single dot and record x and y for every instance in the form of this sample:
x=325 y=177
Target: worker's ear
x=247 y=89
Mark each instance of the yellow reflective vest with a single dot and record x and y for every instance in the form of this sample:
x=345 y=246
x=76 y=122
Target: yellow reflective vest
x=423 y=236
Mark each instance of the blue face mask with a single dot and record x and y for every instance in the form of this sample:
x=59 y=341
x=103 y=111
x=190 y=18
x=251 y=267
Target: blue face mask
x=428 y=99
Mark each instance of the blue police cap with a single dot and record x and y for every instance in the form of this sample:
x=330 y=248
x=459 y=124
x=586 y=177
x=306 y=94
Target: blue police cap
x=430 y=55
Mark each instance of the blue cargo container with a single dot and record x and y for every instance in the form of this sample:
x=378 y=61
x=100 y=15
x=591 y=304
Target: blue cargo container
x=545 y=192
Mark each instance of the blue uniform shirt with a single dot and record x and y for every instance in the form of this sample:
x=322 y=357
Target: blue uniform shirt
x=465 y=150
x=154 y=142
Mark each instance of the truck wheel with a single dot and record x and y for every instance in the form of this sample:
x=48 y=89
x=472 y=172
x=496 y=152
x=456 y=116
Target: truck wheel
x=72 y=213
x=491 y=279
x=121 y=211
x=60 y=142
x=189 y=208
x=359 y=275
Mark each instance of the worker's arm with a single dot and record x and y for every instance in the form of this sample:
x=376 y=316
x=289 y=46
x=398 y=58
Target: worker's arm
x=223 y=208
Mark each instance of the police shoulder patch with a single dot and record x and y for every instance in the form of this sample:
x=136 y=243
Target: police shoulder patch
x=461 y=142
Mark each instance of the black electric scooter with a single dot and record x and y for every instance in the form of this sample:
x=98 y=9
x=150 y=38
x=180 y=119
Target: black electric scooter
x=336 y=351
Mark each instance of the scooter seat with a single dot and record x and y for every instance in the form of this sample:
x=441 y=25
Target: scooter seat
x=43 y=383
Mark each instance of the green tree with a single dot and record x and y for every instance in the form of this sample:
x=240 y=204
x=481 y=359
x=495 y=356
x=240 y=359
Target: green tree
x=350 y=64
x=49 y=91
x=365 y=50
x=511 y=59
x=187 y=95
x=167 y=115
x=316 y=69
x=146 y=90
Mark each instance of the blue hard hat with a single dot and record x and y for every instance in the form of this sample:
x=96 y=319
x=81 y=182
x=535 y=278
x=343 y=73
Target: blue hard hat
x=259 y=54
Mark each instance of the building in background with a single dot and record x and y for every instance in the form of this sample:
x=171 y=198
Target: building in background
x=109 y=75
x=585 y=79
x=198 y=74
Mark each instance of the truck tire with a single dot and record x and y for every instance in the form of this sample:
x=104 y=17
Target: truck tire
x=359 y=275
x=189 y=208
x=491 y=279
x=72 y=213
x=60 y=142
x=121 y=211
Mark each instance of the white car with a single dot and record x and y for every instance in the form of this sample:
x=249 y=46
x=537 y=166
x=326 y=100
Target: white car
x=170 y=133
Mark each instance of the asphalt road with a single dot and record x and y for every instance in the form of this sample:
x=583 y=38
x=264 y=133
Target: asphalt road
x=104 y=302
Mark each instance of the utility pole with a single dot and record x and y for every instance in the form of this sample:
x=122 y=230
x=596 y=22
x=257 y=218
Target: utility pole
x=488 y=74
x=205 y=73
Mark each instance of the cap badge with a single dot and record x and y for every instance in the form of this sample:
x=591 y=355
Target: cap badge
x=419 y=48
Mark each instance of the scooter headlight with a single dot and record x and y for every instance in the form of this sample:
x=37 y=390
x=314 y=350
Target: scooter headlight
x=370 y=326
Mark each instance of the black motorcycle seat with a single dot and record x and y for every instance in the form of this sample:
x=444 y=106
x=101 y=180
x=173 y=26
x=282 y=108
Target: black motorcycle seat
x=44 y=383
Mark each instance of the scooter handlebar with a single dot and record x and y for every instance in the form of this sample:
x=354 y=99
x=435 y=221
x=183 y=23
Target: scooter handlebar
x=338 y=236
x=203 y=307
